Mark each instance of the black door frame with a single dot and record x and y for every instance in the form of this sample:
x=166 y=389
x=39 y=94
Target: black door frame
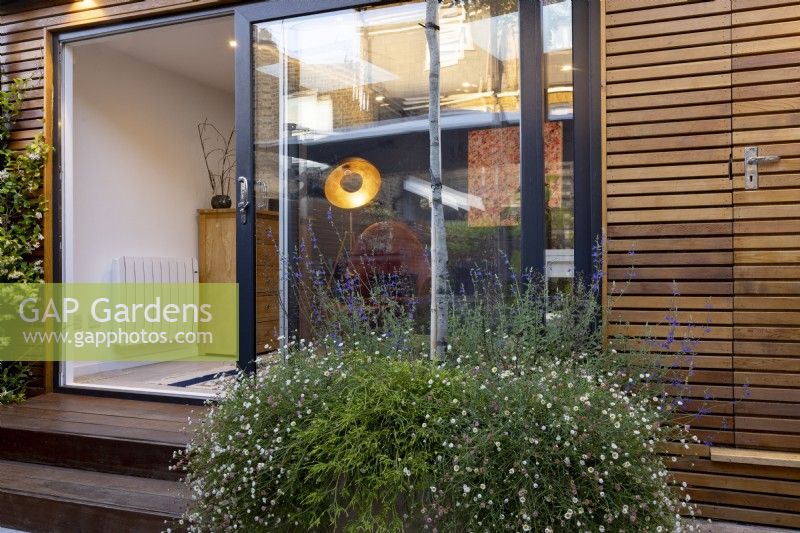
x=586 y=147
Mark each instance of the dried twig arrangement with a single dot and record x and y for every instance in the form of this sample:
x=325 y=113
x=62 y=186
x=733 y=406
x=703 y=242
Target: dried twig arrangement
x=218 y=152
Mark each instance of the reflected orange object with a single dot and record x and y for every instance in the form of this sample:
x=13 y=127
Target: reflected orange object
x=392 y=248
x=336 y=194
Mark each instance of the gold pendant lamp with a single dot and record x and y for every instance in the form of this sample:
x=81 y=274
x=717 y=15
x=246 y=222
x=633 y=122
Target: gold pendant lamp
x=353 y=183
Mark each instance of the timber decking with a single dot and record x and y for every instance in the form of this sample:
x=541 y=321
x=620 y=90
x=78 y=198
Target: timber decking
x=52 y=499
x=92 y=433
x=82 y=463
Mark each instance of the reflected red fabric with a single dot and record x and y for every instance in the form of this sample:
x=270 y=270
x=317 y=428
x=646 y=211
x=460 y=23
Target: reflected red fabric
x=493 y=176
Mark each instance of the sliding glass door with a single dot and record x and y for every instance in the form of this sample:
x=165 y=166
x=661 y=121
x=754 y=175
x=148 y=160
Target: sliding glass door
x=332 y=136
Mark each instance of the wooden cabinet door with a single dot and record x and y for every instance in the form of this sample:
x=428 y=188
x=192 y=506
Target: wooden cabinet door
x=217 y=253
x=765 y=77
x=217 y=245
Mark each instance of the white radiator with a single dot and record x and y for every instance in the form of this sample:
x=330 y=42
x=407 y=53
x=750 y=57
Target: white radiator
x=149 y=270
x=141 y=276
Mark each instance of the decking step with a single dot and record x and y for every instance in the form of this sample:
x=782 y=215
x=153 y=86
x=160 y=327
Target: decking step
x=53 y=499
x=100 y=434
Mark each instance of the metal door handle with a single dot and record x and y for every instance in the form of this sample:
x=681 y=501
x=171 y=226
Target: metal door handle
x=763 y=159
x=244 y=199
x=751 y=161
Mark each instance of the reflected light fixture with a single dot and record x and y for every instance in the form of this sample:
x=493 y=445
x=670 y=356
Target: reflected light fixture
x=353 y=183
x=566 y=68
x=559 y=102
x=232 y=43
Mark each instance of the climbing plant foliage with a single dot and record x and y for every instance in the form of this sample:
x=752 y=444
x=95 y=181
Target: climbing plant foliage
x=22 y=204
x=22 y=207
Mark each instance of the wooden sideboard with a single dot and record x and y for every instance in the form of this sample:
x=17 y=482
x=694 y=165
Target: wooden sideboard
x=217 y=263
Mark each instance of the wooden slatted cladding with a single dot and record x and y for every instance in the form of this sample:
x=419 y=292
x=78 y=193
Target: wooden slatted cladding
x=766 y=224
x=689 y=84
x=668 y=189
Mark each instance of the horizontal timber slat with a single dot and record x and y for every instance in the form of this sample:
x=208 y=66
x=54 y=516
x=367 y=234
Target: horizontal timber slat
x=722 y=110
x=670 y=244
x=683 y=11
x=634 y=52
x=669 y=27
x=677 y=273
x=668 y=186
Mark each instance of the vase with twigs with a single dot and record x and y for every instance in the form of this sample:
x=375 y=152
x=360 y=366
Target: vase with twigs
x=220 y=159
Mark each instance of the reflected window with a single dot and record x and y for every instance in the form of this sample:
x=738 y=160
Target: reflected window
x=341 y=136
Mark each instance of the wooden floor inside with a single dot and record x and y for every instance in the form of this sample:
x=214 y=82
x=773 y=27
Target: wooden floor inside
x=171 y=377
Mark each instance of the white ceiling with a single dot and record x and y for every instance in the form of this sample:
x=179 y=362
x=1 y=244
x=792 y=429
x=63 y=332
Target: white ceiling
x=197 y=50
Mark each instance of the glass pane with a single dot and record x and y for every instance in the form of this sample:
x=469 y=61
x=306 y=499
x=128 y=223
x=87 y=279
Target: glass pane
x=341 y=104
x=558 y=141
x=267 y=112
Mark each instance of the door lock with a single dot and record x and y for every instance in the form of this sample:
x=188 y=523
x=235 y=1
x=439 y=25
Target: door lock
x=751 y=161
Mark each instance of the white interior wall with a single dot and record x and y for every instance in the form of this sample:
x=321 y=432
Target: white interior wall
x=138 y=171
